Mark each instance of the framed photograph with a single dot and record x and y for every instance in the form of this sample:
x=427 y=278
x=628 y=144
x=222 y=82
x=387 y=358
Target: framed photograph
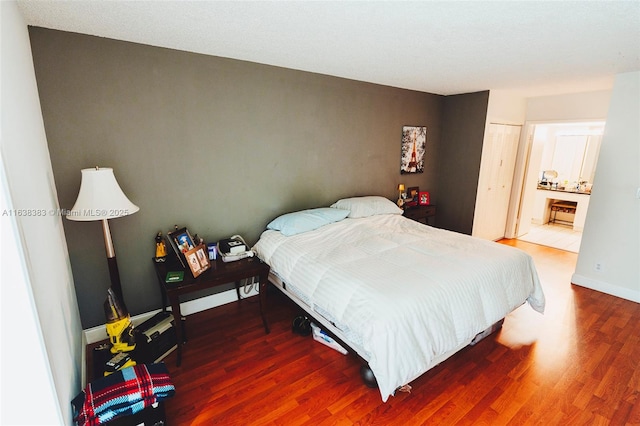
x=203 y=256
x=197 y=260
x=424 y=198
x=181 y=242
x=414 y=140
x=412 y=196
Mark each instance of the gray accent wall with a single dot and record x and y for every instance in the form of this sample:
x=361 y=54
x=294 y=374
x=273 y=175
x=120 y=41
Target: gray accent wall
x=223 y=146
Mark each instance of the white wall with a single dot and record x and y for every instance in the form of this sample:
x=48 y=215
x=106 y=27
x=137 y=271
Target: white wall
x=506 y=108
x=41 y=250
x=573 y=106
x=611 y=235
x=503 y=108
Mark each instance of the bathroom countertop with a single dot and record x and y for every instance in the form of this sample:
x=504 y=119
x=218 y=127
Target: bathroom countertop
x=564 y=190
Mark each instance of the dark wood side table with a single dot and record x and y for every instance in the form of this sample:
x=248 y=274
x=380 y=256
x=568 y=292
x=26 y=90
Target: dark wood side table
x=420 y=213
x=219 y=274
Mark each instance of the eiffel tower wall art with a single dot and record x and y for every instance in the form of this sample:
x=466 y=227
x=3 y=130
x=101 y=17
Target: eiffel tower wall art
x=414 y=140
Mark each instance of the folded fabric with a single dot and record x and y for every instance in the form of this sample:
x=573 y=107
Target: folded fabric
x=122 y=393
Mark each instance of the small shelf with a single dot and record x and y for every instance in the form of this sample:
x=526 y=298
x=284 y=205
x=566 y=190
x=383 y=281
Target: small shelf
x=568 y=207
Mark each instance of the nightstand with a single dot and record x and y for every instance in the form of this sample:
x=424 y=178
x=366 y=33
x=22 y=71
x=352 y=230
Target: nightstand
x=420 y=213
x=220 y=273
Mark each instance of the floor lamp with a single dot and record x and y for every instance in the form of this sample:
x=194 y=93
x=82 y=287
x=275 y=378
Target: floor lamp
x=100 y=198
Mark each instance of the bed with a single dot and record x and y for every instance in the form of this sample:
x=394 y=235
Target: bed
x=402 y=295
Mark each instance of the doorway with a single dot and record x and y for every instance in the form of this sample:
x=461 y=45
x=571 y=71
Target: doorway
x=556 y=174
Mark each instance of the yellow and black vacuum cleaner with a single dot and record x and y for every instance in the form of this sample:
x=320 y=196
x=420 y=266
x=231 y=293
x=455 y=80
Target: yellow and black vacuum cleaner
x=119 y=326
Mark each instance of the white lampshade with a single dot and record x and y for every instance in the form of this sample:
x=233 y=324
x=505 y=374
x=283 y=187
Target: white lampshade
x=100 y=197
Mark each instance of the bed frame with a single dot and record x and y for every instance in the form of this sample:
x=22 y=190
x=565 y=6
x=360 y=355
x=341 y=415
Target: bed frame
x=366 y=374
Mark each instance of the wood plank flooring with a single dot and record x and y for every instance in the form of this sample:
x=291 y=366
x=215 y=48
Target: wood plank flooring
x=578 y=364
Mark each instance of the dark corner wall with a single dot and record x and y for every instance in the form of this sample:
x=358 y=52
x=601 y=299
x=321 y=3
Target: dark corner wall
x=220 y=146
x=459 y=153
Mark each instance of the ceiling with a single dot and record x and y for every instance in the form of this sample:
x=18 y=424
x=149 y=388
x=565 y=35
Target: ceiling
x=531 y=48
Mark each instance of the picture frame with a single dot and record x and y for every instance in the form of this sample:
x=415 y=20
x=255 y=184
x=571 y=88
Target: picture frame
x=412 y=196
x=414 y=141
x=181 y=242
x=197 y=259
x=424 y=199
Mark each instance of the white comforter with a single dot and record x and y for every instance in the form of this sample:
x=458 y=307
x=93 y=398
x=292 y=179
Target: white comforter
x=407 y=293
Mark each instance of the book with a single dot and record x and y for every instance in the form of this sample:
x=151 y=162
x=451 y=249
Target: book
x=174 y=277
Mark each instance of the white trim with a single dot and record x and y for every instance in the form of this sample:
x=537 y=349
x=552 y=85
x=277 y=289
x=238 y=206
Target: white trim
x=83 y=370
x=95 y=334
x=604 y=287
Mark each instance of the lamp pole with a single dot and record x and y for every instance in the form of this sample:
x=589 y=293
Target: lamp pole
x=114 y=274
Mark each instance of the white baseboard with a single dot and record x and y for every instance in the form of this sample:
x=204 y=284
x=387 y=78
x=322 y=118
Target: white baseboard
x=95 y=334
x=604 y=287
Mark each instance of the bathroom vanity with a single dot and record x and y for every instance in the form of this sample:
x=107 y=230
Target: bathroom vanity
x=546 y=197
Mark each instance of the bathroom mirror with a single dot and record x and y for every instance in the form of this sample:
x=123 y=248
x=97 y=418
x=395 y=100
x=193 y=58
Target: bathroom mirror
x=574 y=157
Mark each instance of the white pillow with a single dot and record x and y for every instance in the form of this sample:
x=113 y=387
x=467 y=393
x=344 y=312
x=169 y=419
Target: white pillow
x=306 y=220
x=367 y=206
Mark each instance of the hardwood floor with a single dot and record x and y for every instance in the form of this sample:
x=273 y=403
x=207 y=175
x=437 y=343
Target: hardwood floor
x=578 y=364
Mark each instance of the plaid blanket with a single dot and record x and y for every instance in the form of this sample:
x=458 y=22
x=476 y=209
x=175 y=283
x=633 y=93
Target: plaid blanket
x=122 y=393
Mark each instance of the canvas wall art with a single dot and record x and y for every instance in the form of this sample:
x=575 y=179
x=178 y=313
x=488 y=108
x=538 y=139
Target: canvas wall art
x=414 y=140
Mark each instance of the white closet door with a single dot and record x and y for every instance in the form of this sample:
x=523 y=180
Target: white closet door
x=494 y=183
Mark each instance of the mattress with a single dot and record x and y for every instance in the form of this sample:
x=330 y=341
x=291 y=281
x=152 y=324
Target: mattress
x=405 y=293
